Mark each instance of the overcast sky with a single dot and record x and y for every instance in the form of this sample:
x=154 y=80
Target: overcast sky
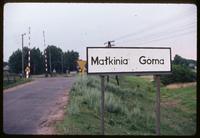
x=72 y=26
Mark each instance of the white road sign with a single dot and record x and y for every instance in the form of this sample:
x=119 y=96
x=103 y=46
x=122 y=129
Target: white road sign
x=147 y=60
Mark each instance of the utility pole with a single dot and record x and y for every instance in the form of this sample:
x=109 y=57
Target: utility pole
x=62 y=61
x=23 y=54
x=50 y=61
x=110 y=45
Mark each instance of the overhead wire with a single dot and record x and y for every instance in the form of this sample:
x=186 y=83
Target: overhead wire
x=183 y=14
x=164 y=33
x=167 y=37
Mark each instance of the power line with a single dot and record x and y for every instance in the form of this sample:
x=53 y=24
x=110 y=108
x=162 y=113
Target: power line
x=167 y=33
x=144 y=30
x=177 y=35
x=160 y=24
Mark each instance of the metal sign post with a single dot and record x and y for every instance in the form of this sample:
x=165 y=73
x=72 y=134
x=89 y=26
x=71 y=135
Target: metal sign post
x=102 y=103
x=157 y=79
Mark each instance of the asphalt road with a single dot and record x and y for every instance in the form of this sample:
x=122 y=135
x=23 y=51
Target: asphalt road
x=25 y=107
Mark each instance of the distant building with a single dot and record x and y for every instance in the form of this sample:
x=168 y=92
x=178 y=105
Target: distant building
x=6 y=68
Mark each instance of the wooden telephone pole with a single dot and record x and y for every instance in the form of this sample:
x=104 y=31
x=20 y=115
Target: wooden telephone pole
x=23 y=54
x=110 y=45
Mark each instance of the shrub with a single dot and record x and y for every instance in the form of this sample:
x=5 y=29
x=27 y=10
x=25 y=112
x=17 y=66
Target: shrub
x=180 y=73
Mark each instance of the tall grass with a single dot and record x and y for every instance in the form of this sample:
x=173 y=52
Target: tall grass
x=129 y=108
x=124 y=102
x=85 y=92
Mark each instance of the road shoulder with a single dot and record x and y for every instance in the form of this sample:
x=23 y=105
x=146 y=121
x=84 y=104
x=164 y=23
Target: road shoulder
x=19 y=86
x=56 y=114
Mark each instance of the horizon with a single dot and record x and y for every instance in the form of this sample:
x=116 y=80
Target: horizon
x=122 y=47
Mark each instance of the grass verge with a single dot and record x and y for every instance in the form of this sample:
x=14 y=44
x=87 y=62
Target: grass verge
x=129 y=108
x=7 y=85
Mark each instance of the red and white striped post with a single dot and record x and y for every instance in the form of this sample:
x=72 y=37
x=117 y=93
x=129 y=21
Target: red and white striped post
x=29 y=52
x=45 y=56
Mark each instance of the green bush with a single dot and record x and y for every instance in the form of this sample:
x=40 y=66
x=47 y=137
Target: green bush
x=180 y=73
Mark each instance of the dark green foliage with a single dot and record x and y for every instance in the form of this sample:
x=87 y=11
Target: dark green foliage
x=181 y=71
x=15 y=61
x=56 y=58
x=178 y=60
x=18 y=81
x=70 y=58
x=179 y=74
x=59 y=61
x=37 y=61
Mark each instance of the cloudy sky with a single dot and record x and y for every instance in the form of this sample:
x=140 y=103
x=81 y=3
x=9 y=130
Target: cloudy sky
x=72 y=26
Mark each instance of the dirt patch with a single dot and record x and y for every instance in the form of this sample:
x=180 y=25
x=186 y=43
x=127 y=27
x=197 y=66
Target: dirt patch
x=150 y=78
x=170 y=103
x=180 y=85
x=55 y=115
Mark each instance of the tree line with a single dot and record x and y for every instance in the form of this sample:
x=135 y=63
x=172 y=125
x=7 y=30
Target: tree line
x=60 y=60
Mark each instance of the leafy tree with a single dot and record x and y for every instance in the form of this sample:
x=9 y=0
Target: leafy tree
x=180 y=73
x=178 y=60
x=15 y=61
x=56 y=58
x=70 y=60
x=37 y=61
